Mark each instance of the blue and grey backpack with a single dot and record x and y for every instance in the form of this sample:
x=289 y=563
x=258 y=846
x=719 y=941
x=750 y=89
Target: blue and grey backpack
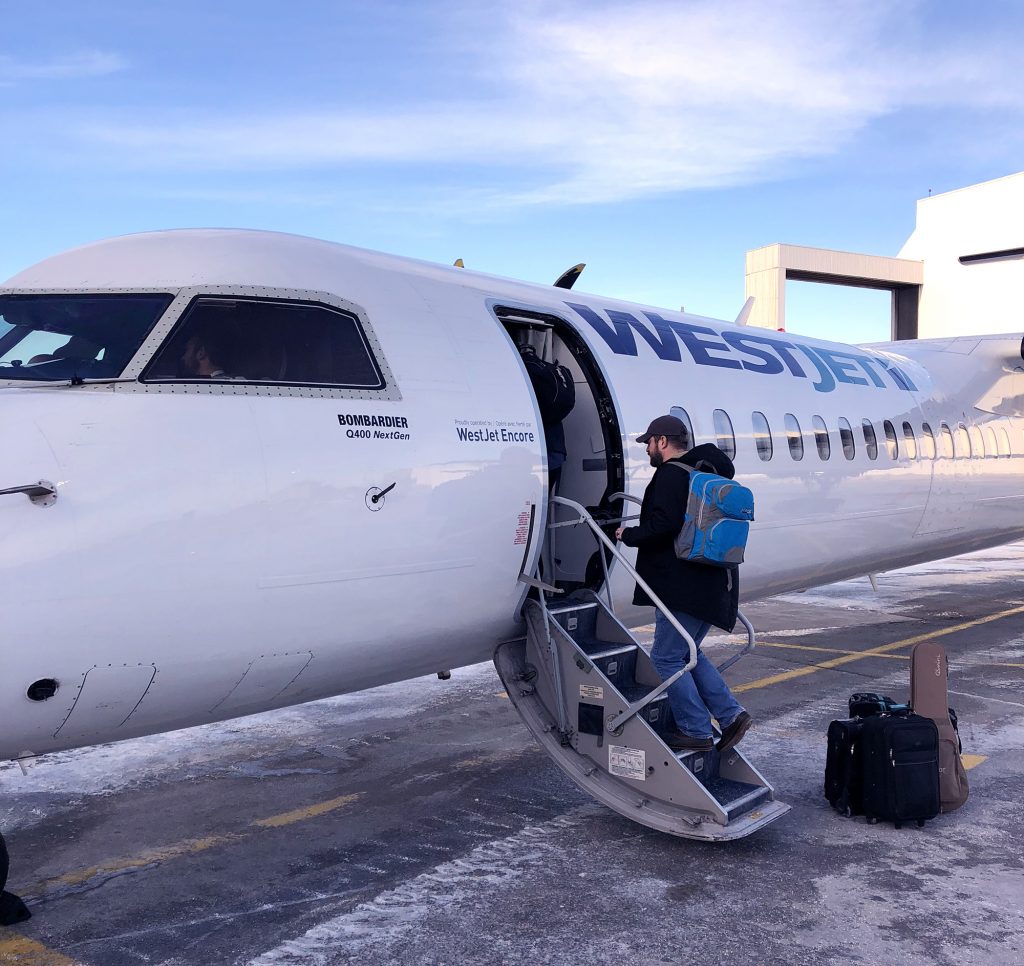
x=717 y=521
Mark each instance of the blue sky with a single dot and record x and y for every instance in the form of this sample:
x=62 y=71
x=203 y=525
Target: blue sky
x=655 y=141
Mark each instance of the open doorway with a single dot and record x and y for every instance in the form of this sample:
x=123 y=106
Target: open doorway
x=593 y=468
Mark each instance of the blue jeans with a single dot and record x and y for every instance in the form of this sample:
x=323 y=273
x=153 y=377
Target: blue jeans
x=699 y=693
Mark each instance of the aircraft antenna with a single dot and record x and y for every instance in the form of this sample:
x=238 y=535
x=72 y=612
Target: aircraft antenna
x=744 y=317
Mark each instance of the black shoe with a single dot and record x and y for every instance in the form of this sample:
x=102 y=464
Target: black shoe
x=678 y=741
x=732 y=734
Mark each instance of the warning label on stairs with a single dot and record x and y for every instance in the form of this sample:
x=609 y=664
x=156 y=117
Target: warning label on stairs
x=626 y=762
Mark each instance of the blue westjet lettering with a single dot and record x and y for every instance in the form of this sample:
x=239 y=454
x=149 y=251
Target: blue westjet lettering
x=767 y=355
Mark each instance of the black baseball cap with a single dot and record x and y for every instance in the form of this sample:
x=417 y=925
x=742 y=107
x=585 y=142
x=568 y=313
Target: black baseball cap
x=664 y=426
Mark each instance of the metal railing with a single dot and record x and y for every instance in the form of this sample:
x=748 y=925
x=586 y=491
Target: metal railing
x=614 y=724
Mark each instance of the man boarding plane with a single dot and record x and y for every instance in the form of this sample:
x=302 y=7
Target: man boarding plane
x=355 y=491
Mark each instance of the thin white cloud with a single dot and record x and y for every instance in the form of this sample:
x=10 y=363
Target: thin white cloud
x=593 y=102
x=84 y=63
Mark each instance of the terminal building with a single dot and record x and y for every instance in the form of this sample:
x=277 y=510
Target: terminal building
x=960 y=272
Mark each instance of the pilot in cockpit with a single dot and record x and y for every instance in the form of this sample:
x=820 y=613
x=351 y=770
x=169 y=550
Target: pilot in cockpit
x=204 y=356
x=77 y=348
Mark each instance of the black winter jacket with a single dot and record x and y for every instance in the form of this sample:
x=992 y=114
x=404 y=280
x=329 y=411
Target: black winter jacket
x=706 y=592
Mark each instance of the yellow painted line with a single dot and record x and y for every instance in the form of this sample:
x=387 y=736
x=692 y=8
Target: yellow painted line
x=301 y=814
x=180 y=849
x=872 y=652
x=478 y=760
x=502 y=694
x=19 y=951
x=828 y=650
x=972 y=761
x=140 y=861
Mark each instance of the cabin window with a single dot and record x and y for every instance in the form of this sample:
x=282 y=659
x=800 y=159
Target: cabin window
x=891 y=445
x=928 y=442
x=63 y=337
x=977 y=442
x=241 y=340
x=1004 y=442
x=762 y=436
x=947 y=442
x=911 y=441
x=821 y=437
x=794 y=437
x=684 y=417
x=870 y=442
x=991 y=446
x=963 y=442
x=846 y=438
x=723 y=431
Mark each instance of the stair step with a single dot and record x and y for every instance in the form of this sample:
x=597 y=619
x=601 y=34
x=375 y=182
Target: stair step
x=737 y=798
x=703 y=764
x=656 y=714
x=618 y=665
x=580 y=622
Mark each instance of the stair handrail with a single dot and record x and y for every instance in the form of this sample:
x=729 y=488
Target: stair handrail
x=616 y=722
x=747 y=648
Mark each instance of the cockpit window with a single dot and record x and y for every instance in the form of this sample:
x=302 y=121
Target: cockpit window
x=227 y=339
x=61 y=337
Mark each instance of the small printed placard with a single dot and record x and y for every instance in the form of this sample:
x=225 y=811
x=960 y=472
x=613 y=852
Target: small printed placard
x=626 y=762
x=591 y=693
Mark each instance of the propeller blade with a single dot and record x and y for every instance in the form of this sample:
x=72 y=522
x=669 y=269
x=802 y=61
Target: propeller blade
x=568 y=278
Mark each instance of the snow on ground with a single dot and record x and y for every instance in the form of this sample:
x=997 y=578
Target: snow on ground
x=220 y=747
x=225 y=746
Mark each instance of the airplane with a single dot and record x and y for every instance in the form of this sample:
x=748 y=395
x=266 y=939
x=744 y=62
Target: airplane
x=244 y=470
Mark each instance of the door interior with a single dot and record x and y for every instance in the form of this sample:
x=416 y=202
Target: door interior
x=593 y=469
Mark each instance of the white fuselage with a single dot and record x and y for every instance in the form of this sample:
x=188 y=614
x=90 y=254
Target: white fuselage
x=214 y=549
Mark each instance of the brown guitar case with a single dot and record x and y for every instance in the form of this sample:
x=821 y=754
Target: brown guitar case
x=929 y=698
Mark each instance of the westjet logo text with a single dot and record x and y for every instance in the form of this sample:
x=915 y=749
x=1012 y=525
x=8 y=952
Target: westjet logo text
x=768 y=355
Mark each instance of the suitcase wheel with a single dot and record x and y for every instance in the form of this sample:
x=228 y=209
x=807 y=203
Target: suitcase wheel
x=872 y=820
x=897 y=825
x=920 y=823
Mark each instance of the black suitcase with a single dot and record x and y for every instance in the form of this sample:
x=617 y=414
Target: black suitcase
x=844 y=769
x=901 y=768
x=866 y=703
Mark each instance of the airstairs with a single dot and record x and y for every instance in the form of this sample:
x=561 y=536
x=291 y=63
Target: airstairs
x=593 y=699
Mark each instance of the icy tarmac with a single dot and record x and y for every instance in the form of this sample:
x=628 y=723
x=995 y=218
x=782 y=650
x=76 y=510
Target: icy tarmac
x=419 y=823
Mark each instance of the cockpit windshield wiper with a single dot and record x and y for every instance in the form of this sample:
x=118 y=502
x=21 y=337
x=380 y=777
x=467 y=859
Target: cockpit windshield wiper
x=65 y=383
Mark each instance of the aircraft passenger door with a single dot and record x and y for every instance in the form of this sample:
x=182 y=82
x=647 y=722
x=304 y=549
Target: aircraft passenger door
x=593 y=462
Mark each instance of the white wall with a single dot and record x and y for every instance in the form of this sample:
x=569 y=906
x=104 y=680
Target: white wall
x=978 y=298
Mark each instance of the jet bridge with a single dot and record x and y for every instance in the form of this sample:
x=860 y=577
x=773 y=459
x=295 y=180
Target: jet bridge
x=594 y=701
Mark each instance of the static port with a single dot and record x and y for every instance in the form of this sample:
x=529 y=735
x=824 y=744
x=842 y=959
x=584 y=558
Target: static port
x=42 y=689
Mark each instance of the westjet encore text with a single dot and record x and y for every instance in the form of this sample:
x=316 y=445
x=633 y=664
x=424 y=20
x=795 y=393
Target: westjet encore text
x=493 y=435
